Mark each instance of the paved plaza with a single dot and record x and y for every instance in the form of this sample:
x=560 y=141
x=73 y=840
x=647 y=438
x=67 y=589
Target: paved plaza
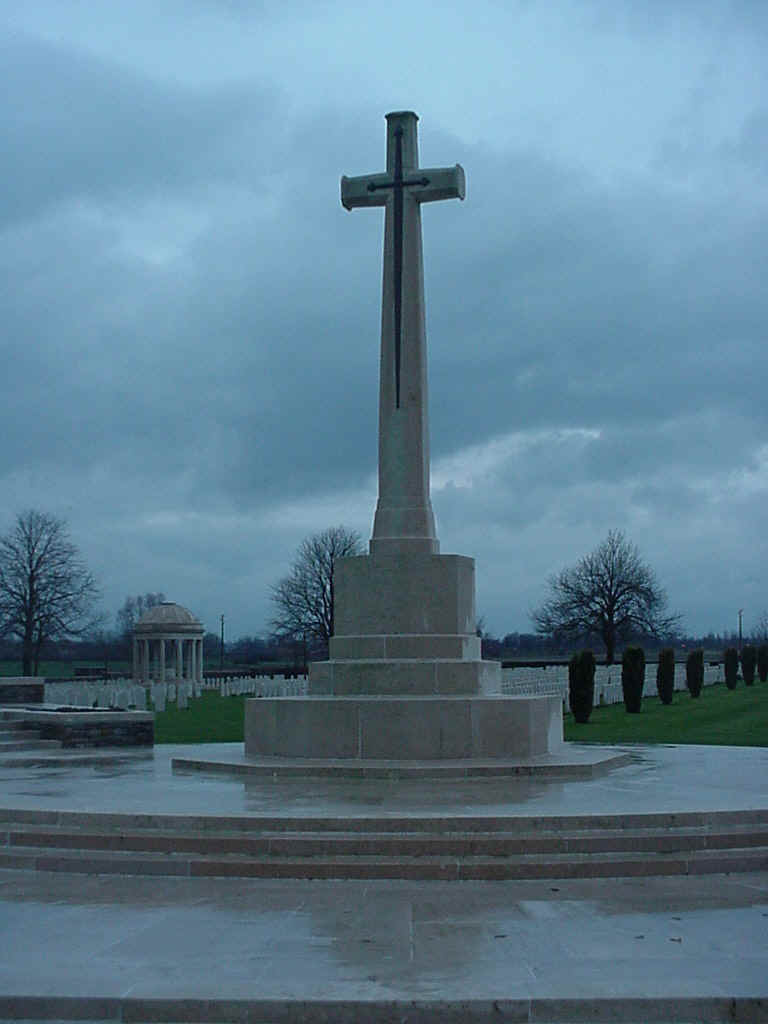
x=290 y=949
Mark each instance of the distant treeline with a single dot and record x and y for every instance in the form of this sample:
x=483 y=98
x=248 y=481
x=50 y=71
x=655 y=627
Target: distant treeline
x=264 y=654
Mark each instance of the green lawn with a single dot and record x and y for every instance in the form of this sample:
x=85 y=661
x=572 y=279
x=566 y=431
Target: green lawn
x=720 y=716
x=210 y=719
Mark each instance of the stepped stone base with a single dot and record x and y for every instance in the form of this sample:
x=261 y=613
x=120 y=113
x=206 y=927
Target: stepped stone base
x=405 y=681
x=416 y=595
x=403 y=728
x=404 y=677
x=405 y=625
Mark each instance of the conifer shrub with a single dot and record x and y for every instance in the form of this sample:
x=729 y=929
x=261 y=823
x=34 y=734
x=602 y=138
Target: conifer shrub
x=694 y=672
x=762 y=662
x=632 y=678
x=731 y=667
x=748 y=660
x=581 y=685
x=665 y=675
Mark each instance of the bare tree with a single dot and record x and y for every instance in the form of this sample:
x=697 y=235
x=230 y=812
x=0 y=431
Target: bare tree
x=46 y=592
x=610 y=594
x=304 y=599
x=760 y=630
x=132 y=610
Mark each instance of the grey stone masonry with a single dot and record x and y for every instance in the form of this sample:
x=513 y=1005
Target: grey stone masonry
x=21 y=690
x=85 y=727
x=405 y=678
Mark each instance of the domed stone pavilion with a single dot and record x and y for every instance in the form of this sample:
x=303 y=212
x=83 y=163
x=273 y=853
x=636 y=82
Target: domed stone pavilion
x=168 y=643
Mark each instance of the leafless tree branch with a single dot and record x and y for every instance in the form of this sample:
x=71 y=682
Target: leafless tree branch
x=610 y=593
x=304 y=599
x=46 y=591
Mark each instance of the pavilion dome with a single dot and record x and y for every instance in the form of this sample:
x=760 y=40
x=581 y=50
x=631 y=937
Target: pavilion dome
x=168 y=617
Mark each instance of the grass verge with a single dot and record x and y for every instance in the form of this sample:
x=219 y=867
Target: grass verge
x=721 y=717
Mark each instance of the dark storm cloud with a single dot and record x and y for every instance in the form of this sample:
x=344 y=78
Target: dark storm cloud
x=74 y=126
x=191 y=320
x=637 y=305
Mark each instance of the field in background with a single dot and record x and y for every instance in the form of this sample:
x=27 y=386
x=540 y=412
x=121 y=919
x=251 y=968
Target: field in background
x=62 y=669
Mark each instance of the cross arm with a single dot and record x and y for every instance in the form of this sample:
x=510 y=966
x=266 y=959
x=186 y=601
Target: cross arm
x=442 y=183
x=424 y=184
x=357 y=191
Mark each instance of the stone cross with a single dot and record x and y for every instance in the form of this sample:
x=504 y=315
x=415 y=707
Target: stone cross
x=404 y=521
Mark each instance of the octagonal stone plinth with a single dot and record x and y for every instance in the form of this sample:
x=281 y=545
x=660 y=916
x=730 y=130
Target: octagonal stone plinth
x=403 y=728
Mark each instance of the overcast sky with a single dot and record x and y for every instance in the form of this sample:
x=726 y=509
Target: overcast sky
x=191 y=320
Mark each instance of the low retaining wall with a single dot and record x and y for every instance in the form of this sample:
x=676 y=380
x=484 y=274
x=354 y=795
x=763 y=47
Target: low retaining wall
x=89 y=728
x=21 y=690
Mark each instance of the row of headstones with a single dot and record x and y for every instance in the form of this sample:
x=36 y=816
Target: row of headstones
x=125 y=693
x=119 y=693
x=253 y=686
x=553 y=680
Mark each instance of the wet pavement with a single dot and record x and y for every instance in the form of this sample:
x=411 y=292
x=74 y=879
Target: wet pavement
x=183 y=938
x=660 y=778
x=221 y=938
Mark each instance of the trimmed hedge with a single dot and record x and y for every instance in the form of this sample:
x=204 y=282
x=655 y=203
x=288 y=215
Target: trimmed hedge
x=632 y=678
x=748 y=661
x=694 y=672
x=665 y=675
x=762 y=662
x=581 y=685
x=731 y=667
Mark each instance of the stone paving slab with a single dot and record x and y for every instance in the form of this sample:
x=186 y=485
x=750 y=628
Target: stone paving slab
x=688 y=948
x=384 y=943
x=579 y=764
x=658 y=779
x=496 y=1011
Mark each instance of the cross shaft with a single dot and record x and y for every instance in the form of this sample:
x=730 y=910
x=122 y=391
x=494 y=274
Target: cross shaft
x=404 y=518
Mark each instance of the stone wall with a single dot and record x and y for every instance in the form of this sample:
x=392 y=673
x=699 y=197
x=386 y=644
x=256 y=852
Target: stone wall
x=99 y=734
x=21 y=690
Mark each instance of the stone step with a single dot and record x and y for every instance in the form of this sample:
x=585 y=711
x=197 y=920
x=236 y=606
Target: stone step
x=603 y=865
x=137 y=1009
x=67 y=757
x=382 y=824
x=8 y=746
x=455 y=844
x=14 y=730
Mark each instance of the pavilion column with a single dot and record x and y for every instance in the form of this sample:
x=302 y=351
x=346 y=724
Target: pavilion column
x=179 y=660
x=135 y=666
x=200 y=661
x=192 y=667
x=145 y=660
x=162 y=659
